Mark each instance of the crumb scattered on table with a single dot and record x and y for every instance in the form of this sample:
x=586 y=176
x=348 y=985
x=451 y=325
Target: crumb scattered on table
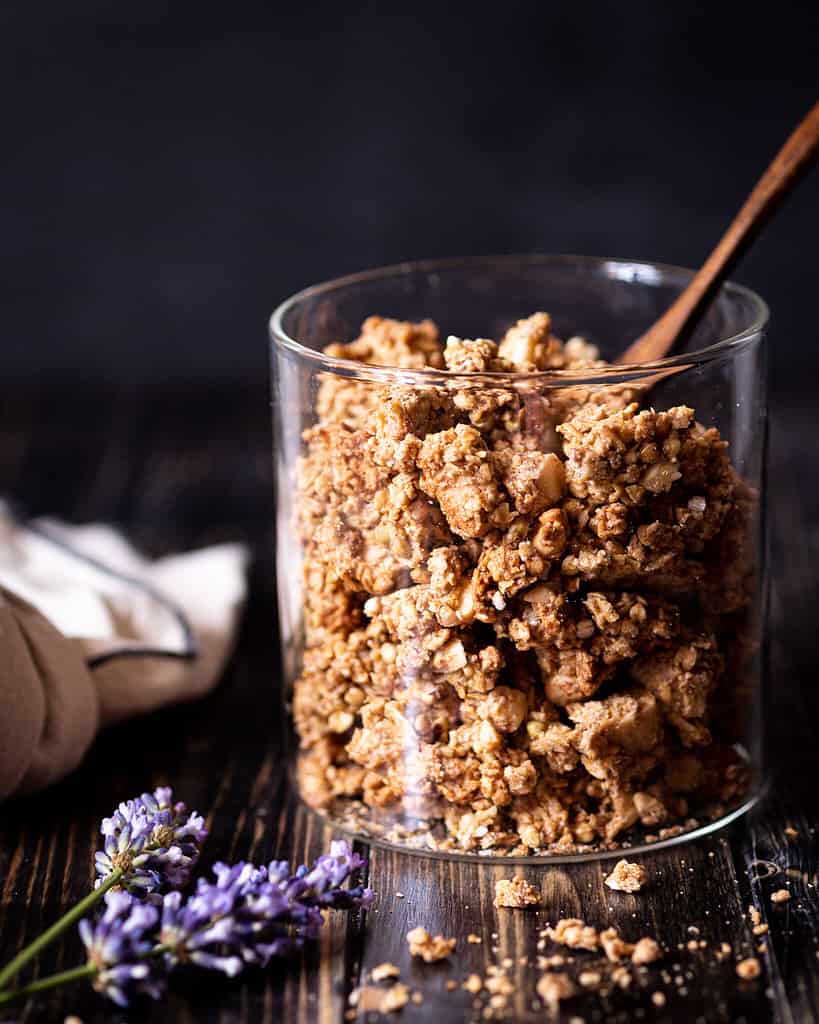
x=572 y=932
x=614 y=945
x=553 y=988
x=394 y=998
x=780 y=896
x=626 y=877
x=384 y=971
x=429 y=948
x=646 y=951
x=516 y=892
x=749 y=968
x=473 y=984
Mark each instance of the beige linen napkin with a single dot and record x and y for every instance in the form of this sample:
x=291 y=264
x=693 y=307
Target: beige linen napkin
x=91 y=632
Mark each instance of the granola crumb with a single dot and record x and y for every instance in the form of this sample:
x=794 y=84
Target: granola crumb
x=658 y=998
x=614 y=946
x=427 y=947
x=516 y=892
x=749 y=968
x=384 y=971
x=417 y=998
x=780 y=896
x=791 y=832
x=473 y=939
x=589 y=979
x=451 y=984
x=621 y=977
x=553 y=988
x=395 y=998
x=473 y=984
x=572 y=932
x=626 y=877
x=646 y=951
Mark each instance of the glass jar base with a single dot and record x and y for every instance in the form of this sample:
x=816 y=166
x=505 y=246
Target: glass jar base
x=427 y=838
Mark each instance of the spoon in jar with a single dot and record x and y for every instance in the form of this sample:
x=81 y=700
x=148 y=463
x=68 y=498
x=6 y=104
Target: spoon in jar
x=683 y=314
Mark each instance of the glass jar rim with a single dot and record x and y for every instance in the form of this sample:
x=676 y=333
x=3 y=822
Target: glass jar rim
x=637 y=271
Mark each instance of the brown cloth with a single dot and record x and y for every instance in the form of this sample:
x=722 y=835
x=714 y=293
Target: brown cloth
x=91 y=633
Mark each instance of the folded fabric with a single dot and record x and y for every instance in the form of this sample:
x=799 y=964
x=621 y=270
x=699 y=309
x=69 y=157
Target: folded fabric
x=91 y=632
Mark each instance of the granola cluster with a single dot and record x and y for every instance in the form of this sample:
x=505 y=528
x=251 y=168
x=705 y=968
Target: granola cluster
x=521 y=602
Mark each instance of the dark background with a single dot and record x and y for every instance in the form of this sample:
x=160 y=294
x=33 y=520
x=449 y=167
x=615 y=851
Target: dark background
x=171 y=172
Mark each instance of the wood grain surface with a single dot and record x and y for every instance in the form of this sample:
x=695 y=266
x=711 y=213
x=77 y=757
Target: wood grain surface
x=177 y=471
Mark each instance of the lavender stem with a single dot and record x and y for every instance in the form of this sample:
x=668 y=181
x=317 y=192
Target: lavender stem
x=29 y=952
x=52 y=981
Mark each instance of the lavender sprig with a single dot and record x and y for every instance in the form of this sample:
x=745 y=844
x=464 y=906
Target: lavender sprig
x=251 y=914
x=246 y=916
x=118 y=948
x=151 y=842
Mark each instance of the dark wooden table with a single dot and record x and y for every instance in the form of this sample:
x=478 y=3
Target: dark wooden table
x=182 y=470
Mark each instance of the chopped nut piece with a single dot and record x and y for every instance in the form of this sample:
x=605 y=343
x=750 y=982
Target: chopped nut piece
x=516 y=892
x=749 y=968
x=626 y=877
x=473 y=984
x=384 y=971
x=553 y=988
x=429 y=949
x=780 y=896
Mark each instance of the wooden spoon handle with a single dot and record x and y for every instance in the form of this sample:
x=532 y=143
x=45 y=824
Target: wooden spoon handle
x=682 y=315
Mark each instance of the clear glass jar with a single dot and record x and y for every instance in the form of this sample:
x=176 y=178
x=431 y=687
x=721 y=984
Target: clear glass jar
x=521 y=590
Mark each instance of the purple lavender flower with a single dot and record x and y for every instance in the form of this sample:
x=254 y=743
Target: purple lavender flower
x=153 y=841
x=251 y=914
x=118 y=946
x=319 y=886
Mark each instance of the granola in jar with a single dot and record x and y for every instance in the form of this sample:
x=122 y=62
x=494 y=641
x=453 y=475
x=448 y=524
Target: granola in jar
x=521 y=604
